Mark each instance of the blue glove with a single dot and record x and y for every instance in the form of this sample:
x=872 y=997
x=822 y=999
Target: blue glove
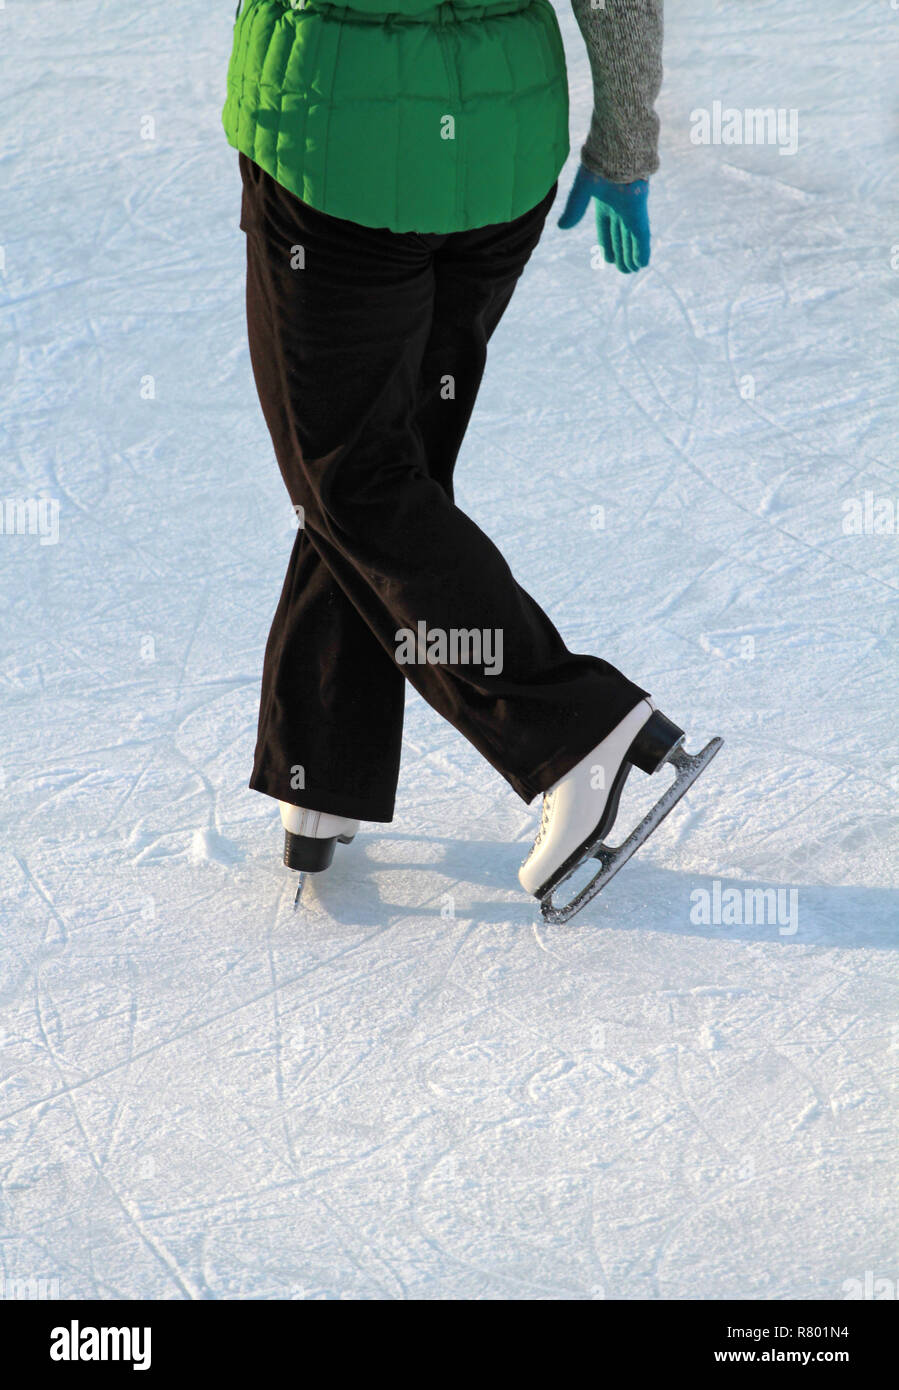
x=622 y=217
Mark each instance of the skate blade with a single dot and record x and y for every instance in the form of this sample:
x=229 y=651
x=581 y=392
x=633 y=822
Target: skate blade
x=300 y=886
x=687 y=768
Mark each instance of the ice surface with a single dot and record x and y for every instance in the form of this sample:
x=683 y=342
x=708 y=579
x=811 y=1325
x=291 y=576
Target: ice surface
x=413 y=1088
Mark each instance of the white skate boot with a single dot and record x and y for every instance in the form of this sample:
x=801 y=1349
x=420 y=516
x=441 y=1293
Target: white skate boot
x=310 y=838
x=580 y=809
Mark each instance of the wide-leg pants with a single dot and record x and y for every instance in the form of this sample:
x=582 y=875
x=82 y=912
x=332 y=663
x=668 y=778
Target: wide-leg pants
x=368 y=348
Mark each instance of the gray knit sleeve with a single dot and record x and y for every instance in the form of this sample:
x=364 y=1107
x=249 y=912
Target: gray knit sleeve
x=624 y=45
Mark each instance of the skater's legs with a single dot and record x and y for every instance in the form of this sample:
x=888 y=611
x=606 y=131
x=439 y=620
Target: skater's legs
x=331 y=707
x=354 y=724
x=339 y=368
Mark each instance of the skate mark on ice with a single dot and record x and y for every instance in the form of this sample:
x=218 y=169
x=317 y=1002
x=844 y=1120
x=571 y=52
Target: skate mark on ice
x=688 y=419
x=734 y=503
x=45 y=897
x=127 y=1207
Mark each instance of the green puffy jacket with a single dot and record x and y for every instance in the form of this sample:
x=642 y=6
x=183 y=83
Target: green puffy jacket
x=402 y=113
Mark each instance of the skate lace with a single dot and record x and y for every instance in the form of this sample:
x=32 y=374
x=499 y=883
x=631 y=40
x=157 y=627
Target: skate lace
x=545 y=818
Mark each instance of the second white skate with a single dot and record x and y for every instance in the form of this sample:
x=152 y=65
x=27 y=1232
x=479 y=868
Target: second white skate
x=310 y=838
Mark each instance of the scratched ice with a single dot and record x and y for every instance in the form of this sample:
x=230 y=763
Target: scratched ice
x=414 y=1088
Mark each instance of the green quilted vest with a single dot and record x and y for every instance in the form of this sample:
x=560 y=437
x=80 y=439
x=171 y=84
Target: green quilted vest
x=402 y=113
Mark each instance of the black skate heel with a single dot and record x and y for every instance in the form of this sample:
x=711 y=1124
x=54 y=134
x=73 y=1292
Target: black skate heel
x=307 y=854
x=655 y=743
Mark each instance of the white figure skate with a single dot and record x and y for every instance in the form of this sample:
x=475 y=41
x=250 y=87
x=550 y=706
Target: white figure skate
x=580 y=809
x=310 y=838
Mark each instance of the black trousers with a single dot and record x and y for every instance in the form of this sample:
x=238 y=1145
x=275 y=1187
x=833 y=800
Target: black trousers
x=368 y=348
